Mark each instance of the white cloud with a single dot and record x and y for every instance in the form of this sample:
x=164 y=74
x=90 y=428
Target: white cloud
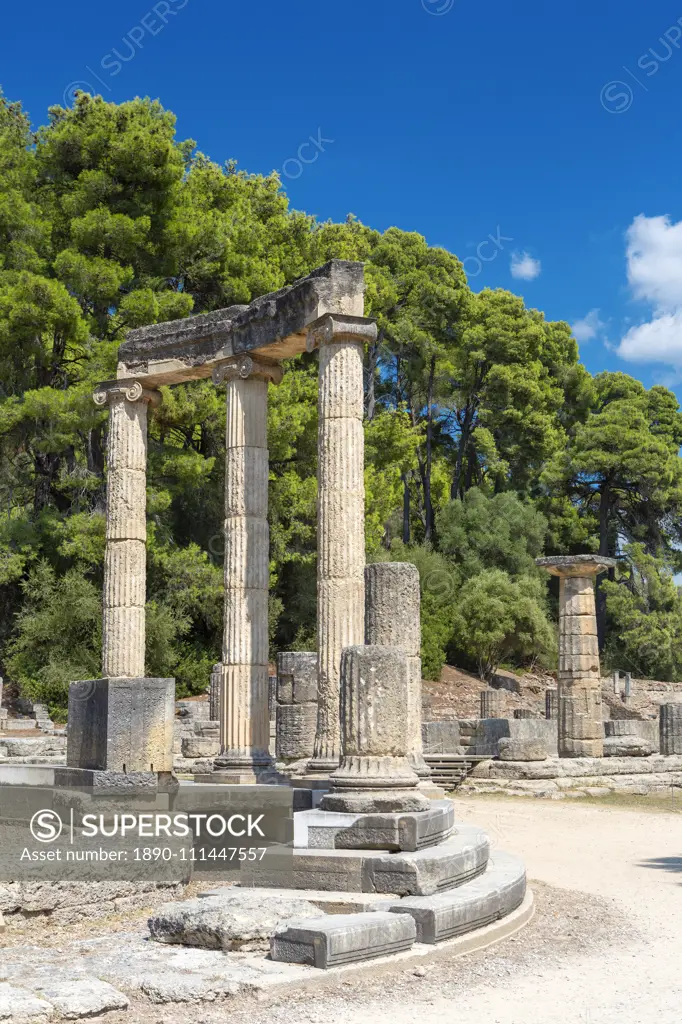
x=654 y=255
x=589 y=327
x=654 y=268
x=524 y=266
x=659 y=341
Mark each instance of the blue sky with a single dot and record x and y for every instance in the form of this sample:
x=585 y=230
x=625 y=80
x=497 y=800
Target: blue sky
x=552 y=129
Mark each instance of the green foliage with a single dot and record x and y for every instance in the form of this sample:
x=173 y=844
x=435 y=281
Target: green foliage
x=486 y=442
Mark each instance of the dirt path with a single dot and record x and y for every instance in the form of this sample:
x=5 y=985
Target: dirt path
x=606 y=945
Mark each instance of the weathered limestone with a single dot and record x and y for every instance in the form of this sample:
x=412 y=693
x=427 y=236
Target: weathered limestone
x=296 y=704
x=441 y=737
x=671 y=728
x=522 y=749
x=491 y=704
x=341 y=515
x=339 y=939
x=123 y=629
x=326 y=830
x=273 y=327
x=522 y=714
x=214 y=693
x=581 y=730
x=121 y=725
x=375 y=774
x=244 y=714
x=392 y=619
x=551 y=704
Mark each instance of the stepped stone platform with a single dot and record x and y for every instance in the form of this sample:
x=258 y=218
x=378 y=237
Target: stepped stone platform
x=326 y=942
x=407 y=832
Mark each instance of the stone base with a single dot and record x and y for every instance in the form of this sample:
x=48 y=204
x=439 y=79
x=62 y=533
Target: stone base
x=118 y=782
x=242 y=777
x=462 y=856
x=392 y=832
x=430 y=790
x=494 y=894
x=375 y=801
x=121 y=725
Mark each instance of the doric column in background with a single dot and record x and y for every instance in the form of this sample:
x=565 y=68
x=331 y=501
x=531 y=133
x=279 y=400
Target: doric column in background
x=581 y=721
x=340 y=515
x=126 y=528
x=244 y=715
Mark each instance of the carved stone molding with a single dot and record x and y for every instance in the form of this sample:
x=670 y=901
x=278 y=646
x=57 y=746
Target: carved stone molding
x=246 y=367
x=337 y=327
x=132 y=391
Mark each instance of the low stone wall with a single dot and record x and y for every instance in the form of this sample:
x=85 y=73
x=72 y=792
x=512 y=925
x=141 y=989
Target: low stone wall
x=65 y=903
x=580 y=776
x=480 y=736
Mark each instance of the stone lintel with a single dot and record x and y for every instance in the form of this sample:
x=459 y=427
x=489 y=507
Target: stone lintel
x=334 y=327
x=272 y=327
x=576 y=565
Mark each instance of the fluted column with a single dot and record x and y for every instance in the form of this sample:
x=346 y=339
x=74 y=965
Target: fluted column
x=123 y=639
x=581 y=724
x=244 y=714
x=340 y=515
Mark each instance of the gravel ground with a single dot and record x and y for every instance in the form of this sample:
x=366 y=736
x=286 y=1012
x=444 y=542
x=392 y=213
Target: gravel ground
x=603 y=945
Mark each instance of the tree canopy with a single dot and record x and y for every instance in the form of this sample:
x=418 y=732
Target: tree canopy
x=487 y=442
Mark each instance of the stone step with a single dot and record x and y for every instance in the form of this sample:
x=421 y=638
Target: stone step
x=409 y=831
x=494 y=894
x=459 y=858
x=339 y=939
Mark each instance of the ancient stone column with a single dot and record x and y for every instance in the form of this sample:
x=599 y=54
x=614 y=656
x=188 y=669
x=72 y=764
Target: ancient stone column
x=551 y=704
x=581 y=726
x=123 y=631
x=375 y=773
x=392 y=619
x=671 y=728
x=244 y=715
x=296 y=705
x=214 y=693
x=491 y=704
x=340 y=516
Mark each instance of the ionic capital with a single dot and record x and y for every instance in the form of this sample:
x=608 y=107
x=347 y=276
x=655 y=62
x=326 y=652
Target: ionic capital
x=245 y=367
x=340 y=327
x=130 y=390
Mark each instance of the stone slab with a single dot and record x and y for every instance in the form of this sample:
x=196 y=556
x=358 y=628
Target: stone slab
x=273 y=326
x=522 y=750
x=231 y=919
x=17 y=1004
x=494 y=894
x=335 y=941
x=328 y=902
x=406 y=832
x=577 y=767
x=83 y=997
x=629 y=746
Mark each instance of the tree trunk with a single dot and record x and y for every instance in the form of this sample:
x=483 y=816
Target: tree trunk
x=428 y=505
x=372 y=361
x=406 y=508
x=604 y=523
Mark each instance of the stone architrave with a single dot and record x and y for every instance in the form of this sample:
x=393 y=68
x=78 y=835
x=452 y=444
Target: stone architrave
x=581 y=726
x=125 y=576
x=375 y=773
x=244 y=714
x=340 y=516
x=393 y=619
x=671 y=728
x=491 y=704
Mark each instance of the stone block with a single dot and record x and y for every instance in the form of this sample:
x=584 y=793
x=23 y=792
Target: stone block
x=233 y=919
x=200 y=746
x=671 y=728
x=296 y=725
x=646 y=729
x=297 y=677
x=551 y=704
x=18 y=1004
x=121 y=725
x=340 y=939
x=522 y=713
x=397 y=832
x=82 y=997
x=452 y=863
x=392 y=606
x=494 y=894
x=629 y=746
x=441 y=737
x=522 y=750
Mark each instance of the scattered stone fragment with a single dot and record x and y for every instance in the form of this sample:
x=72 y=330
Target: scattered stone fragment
x=339 y=939
x=84 y=997
x=237 y=920
x=19 y=1004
